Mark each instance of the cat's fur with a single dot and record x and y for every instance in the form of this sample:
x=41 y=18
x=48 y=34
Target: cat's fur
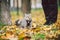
x=25 y=22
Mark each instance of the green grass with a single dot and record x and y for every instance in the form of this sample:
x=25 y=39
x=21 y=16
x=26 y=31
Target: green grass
x=59 y=8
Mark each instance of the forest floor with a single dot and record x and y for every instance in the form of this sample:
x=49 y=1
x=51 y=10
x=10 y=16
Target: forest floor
x=37 y=32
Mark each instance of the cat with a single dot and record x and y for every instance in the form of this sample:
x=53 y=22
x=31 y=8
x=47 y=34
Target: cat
x=25 y=22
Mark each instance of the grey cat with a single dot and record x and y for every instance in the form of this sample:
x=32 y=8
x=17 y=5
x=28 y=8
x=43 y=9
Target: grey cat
x=25 y=22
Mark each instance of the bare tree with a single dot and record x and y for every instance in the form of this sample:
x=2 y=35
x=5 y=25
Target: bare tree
x=13 y=3
x=17 y=7
x=59 y=2
x=5 y=12
x=35 y=2
x=26 y=6
x=0 y=9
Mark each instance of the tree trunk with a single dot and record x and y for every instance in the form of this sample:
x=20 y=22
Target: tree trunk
x=13 y=4
x=5 y=12
x=26 y=6
x=17 y=7
x=0 y=9
x=59 y=2
x=35 y=2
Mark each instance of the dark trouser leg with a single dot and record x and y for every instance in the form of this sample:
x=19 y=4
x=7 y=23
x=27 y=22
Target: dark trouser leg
x=51 y=10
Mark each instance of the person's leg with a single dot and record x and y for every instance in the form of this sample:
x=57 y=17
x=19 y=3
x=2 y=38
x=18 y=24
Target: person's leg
x=46 y=10
x=53 y=11
x=50 y=9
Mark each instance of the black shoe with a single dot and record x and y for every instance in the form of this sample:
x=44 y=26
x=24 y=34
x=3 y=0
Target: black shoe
x=48 y=23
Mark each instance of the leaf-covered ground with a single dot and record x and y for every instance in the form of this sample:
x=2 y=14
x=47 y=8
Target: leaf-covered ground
x=37 y=32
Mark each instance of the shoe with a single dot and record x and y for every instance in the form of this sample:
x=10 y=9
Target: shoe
x=48 y=23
